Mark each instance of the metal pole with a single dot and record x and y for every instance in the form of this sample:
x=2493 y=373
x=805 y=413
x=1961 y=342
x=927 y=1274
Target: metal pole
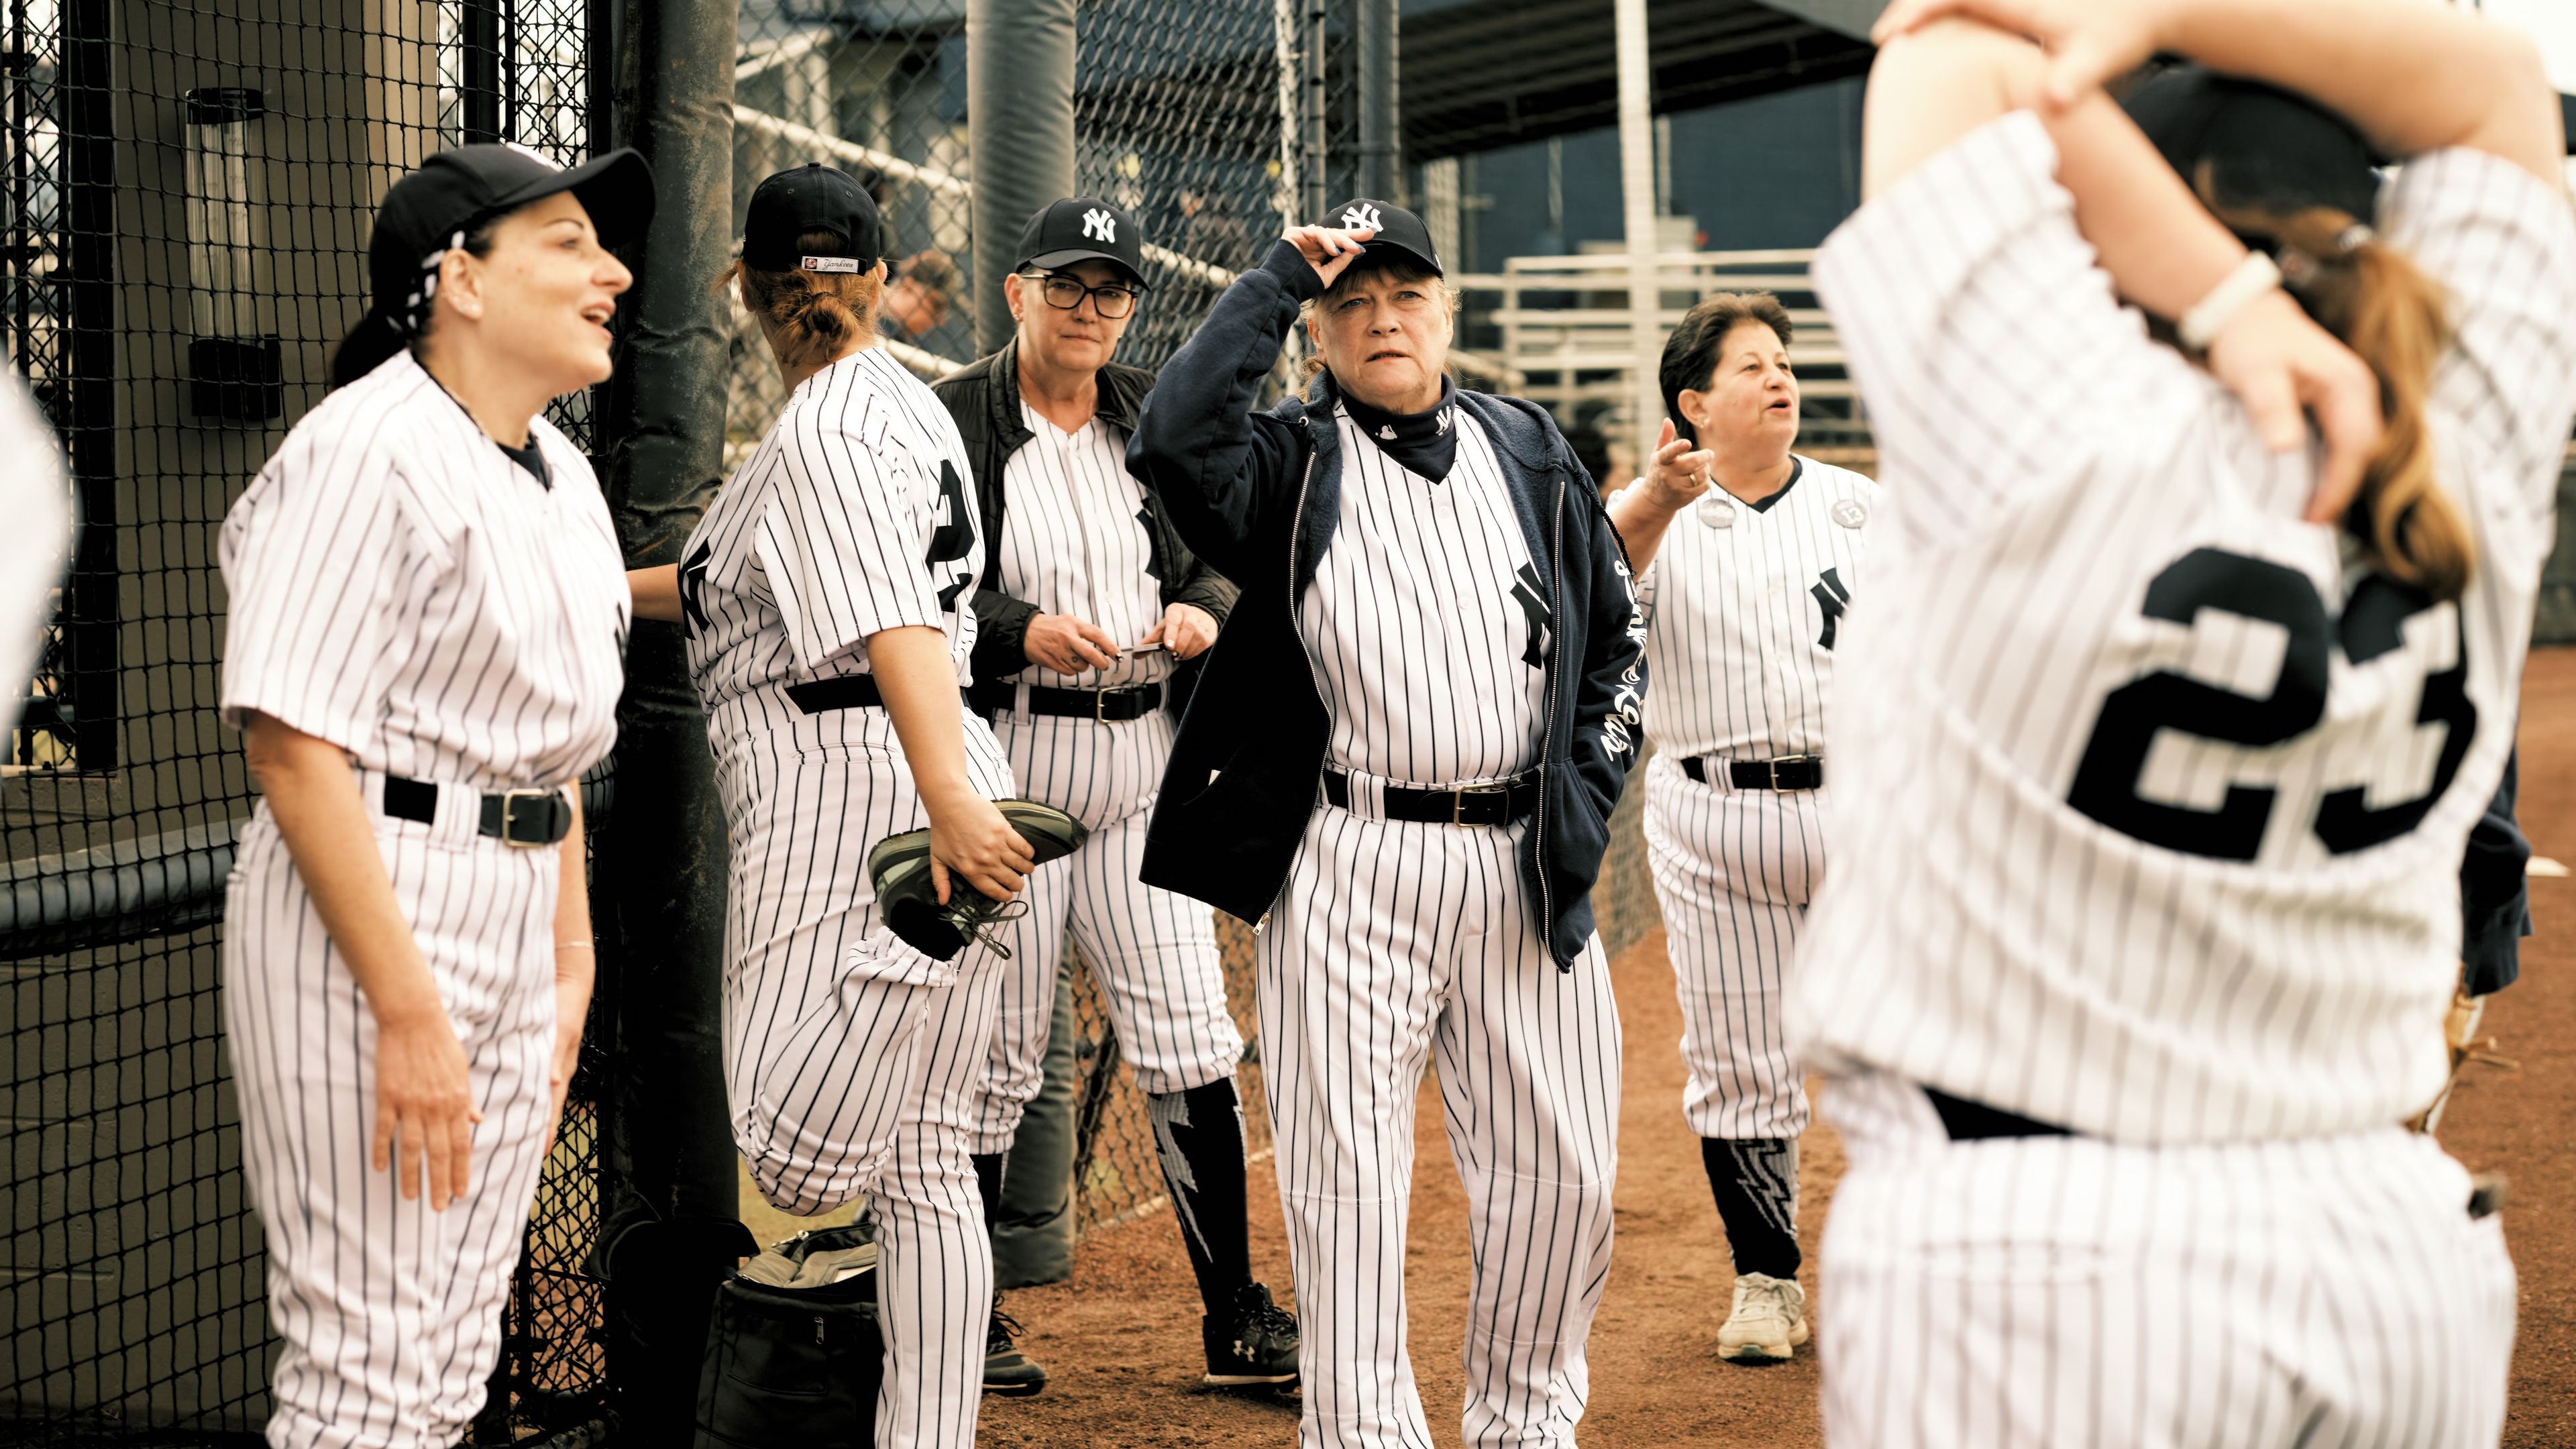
x=670 y=1222
x=1019 y=122
x=479 y=85
x=1381 y=175
x=1310 y=129
x=1637 y=196
x=86 y=412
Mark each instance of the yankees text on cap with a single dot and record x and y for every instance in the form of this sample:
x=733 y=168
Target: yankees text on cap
x=811 y=198
x=1082 y=228
x=429 y=211
x=1396 y=228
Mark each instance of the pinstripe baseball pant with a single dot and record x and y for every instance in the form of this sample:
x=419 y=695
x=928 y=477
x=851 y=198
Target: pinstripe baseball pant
x=852 y=1059
x=1154 y=953
x=2014 y=1293
x=1734 y=870
x=1393 y=944
x=391 y=1313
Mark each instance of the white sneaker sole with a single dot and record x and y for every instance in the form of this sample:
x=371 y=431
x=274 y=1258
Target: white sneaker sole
x=1759 y=1352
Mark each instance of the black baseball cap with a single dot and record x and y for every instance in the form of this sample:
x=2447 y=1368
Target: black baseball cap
x=809 y=198
x=1397 y=229
x=1081 y=229
x=429 y=211
x=2264 y=146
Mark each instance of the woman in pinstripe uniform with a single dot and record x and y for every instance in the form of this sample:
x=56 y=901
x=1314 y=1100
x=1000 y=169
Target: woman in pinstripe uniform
x=424 y=650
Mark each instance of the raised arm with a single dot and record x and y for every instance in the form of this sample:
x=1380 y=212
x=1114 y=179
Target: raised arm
x=2162 y=248
x=1216 y=467
x=2412 y=76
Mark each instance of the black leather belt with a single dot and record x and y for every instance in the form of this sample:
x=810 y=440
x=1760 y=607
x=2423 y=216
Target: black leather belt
x=1968 y=1121
x=849 y=691
x=1496 y=804
x=1788 y=772
x=1103 y=706
x=523 y=818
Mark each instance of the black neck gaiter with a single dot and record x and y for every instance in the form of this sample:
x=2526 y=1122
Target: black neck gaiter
x=1425 y=442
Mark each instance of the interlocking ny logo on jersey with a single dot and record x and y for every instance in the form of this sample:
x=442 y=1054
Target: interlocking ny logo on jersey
x=693 y=590
x=1525 y=592
x=954 y=535
x=1362 y=217
x=1099 y=225
x=1831 y=596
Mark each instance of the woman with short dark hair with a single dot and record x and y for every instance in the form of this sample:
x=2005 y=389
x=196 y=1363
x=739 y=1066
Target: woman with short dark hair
x=1748 y=556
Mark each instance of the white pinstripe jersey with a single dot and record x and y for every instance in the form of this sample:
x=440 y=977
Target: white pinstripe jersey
x=1075 y=541
x=2149 y=801
x=403 y=589
x=1424 y=623
x=852 y=518
x=1744 y=605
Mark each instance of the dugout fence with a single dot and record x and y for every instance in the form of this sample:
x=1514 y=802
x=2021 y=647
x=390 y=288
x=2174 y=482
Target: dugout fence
x=189 y=193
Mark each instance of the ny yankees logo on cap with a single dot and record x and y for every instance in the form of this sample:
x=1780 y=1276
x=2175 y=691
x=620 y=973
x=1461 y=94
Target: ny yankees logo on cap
x=1099 y=225
x=1361 y=216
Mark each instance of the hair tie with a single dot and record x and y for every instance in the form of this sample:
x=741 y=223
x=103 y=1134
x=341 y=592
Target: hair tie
x=2298 y=269
x=2354 y=237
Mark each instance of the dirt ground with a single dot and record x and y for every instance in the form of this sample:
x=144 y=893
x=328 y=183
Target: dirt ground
x=1121 y=1338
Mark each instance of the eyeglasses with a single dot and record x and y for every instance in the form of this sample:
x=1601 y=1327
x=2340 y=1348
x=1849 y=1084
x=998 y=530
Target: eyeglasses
x=1065 y=293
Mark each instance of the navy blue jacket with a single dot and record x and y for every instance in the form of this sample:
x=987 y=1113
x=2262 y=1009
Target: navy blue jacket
x=1258 y=495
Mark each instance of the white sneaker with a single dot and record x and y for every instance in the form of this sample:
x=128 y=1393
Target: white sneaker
x=1769 y=1321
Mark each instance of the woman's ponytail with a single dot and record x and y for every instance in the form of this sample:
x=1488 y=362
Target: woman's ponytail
x=2382 y=306
x=365 y=348
x=812 y=316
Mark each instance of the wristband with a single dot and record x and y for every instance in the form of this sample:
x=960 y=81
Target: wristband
x=2238 y=290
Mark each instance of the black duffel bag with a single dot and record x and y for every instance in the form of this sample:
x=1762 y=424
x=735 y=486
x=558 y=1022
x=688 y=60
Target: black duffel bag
x=794 y=1350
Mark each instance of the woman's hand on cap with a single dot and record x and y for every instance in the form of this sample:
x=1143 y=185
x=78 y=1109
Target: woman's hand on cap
x=2287 y=369
x=1328 y=249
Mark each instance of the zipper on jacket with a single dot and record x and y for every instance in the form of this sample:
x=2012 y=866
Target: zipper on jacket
x=1547 y=745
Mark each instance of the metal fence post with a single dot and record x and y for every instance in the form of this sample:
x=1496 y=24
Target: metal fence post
x=659 y=884
x=1380 y=150
x=1019 y=123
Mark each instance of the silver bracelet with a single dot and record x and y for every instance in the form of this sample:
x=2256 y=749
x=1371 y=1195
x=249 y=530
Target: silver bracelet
x=2236 y=291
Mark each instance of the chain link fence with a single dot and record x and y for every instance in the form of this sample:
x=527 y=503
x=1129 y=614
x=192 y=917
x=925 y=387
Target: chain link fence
x=189 y=197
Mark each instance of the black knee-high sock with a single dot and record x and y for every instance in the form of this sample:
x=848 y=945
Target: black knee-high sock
x=1200 y=1136
x=988 y=1185
x=1756 y=1183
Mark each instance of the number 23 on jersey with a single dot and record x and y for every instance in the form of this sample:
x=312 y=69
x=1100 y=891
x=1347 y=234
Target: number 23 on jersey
x=2283 y=734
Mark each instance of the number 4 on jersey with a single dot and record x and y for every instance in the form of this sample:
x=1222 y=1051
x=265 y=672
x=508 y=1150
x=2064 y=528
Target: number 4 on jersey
x=2372 y=625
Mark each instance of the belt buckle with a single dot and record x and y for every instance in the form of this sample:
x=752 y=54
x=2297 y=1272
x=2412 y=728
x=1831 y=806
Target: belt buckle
x=1774 y=764
x=1100 y=706
x=509 y=816
x=1458 y=799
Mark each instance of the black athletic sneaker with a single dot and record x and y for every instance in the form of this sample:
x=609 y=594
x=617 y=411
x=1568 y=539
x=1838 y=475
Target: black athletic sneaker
x=899 y=868
x=1007 y=1371
x=1258 y=1347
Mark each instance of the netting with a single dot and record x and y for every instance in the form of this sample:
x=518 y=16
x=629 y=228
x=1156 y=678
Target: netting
x=189 y=196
